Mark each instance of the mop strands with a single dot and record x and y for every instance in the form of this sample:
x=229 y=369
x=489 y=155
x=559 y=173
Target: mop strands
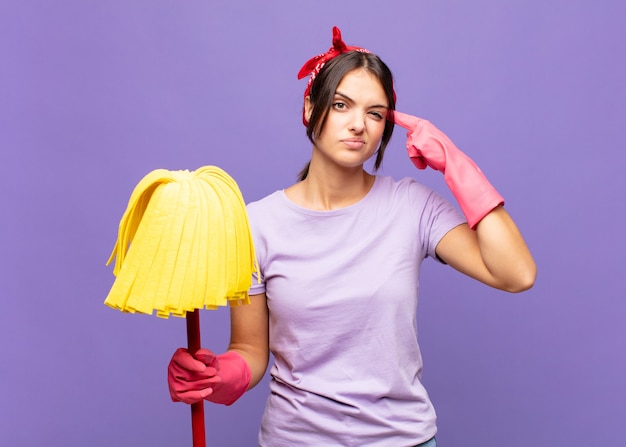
x=184 y=243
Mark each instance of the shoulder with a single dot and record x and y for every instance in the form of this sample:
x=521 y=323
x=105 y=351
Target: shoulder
x=390 y=182
x=404 y=188
x=270 y=213
x=418 y=200
x=269 y=201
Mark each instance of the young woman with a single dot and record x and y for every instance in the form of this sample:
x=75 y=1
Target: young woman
x=340 y=254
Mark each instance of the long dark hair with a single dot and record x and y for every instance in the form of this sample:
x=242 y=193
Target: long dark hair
x=325 y=85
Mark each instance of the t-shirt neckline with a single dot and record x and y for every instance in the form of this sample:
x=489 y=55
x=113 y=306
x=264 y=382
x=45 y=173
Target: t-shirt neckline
x=346 y=209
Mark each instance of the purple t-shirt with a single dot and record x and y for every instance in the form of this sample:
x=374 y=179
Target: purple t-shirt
x=342 y=290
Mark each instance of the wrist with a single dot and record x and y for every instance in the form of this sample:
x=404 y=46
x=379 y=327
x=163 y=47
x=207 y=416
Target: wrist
x=235 y=376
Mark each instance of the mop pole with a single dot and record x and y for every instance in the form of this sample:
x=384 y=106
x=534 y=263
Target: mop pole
x=197 y=409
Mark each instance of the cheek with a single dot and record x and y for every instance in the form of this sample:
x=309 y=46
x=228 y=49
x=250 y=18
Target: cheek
x=378 y=130
x=336 y=123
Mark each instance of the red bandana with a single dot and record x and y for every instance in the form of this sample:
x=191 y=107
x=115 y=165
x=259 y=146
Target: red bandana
x=313 y=66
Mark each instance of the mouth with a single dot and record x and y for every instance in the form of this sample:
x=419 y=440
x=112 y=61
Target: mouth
x=354 y=143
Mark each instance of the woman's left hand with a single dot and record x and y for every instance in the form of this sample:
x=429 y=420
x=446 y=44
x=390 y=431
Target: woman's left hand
x=428 y=146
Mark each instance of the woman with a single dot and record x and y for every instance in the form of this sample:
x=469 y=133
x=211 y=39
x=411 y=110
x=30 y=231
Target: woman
x=340 y=254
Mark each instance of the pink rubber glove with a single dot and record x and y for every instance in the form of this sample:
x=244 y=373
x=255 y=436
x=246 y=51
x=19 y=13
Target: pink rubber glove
x=428 y=146
x=220 y=379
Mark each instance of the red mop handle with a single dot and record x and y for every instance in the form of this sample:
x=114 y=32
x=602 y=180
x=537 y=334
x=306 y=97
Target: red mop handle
x=197 y=409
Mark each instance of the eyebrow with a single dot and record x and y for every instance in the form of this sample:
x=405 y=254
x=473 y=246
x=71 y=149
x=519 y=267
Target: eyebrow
x=375 y=106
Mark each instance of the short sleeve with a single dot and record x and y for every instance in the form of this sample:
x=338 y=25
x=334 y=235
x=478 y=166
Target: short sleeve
x=254 y=217
x=439 y=216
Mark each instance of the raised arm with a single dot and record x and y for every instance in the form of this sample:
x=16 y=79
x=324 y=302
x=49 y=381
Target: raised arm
x=490 y=249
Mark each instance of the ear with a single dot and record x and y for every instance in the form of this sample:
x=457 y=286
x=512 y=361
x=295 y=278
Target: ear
x=308 y=108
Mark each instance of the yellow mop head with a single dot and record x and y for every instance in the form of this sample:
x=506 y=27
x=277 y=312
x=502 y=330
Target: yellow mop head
x=184 y=243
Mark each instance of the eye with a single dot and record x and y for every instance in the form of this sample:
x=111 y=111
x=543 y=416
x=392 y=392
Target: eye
x=377 y=115
x=339 y=105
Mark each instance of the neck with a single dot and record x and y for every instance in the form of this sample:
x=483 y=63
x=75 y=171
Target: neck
x=331 y=189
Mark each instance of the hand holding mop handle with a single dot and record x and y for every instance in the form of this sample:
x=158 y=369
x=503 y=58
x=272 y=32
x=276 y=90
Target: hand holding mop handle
x=196 y=374
x=219 y=379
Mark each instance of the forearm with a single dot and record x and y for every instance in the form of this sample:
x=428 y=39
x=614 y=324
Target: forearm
x=250 y=335
x=504 y=252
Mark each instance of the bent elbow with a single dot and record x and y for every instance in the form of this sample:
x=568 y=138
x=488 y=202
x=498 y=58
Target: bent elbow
x=524 y=281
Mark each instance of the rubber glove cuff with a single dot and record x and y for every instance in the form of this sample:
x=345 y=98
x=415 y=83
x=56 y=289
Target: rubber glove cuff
x=235 y=376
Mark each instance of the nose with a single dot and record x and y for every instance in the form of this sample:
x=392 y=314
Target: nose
x=357 y=122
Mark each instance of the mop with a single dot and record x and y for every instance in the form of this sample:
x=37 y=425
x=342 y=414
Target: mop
x=183 y=244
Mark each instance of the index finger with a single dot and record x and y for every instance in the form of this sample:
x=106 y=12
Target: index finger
x=405 y=120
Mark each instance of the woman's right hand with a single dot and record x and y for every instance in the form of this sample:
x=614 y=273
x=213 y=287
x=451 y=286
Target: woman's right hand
x=192 y=378
x=221 y=379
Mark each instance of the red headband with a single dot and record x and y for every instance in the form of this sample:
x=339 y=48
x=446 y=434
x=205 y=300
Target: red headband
x=313 y=66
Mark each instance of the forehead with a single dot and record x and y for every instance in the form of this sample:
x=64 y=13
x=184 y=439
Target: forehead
x=362 y=86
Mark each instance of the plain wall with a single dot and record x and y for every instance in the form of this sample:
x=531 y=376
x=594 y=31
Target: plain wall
x=95 y=94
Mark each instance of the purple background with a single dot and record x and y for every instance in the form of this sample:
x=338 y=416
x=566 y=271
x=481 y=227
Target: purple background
x=95 y=94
